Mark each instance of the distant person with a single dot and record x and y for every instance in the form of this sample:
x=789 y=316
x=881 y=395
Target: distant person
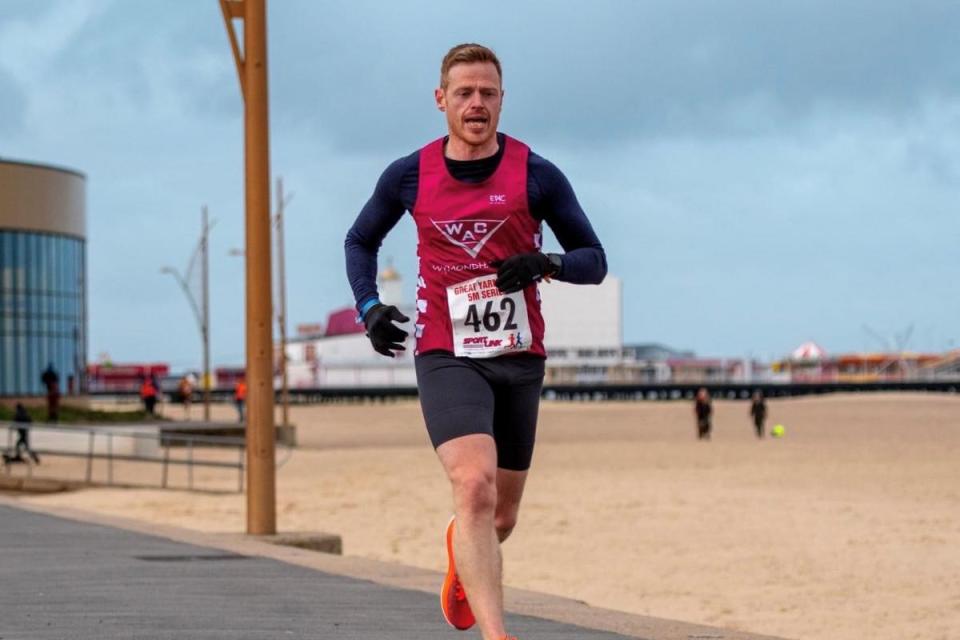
x=51 y=382
x=159 y=387
x=240 y=397
x=185 y=392
x=148 y=394
x=758 y=410
x=703 y=408
x=22 y=419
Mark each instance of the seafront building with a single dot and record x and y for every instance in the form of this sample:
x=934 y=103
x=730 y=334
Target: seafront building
x=585 y=347
x=43 y=282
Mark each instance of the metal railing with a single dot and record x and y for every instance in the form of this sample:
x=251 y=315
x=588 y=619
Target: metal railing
x=106 y=437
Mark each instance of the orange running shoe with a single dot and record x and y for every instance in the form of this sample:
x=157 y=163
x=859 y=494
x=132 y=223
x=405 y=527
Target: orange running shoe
x=453 y=599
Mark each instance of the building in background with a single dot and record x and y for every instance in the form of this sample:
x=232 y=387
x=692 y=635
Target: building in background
x=946 y=367
x=811 y=363
x=43 y=282
x=584 y=331
x=339 y=354
x=583 y=339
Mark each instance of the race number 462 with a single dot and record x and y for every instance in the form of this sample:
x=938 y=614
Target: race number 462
x=486 y=322
x=492 y=317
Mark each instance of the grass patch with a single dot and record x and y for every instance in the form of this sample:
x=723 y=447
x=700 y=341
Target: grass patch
x=71 y=414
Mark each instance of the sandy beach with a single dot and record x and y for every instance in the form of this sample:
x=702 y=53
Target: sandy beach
x=847 y=528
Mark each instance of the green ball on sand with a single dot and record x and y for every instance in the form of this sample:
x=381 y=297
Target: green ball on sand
x=778 y=431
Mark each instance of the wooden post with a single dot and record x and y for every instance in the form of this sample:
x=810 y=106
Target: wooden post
x=252 y=70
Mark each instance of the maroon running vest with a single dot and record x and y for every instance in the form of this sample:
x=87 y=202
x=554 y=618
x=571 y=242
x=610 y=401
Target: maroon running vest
x=461 y=227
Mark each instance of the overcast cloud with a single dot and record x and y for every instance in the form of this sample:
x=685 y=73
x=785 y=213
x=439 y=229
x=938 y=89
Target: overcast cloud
x=760 y=173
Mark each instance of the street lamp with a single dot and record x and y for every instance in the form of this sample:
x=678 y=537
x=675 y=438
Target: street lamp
x=282 y=202
x=282 y=311
x=202 y=311
x=251 y=62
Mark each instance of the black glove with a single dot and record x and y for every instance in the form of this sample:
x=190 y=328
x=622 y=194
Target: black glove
x=517 y=272
x=384 y=335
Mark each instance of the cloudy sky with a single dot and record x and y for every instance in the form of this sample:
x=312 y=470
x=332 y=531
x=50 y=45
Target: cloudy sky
x=760 y=173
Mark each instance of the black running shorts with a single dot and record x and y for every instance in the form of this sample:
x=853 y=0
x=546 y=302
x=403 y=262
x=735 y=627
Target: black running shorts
x=496 y=396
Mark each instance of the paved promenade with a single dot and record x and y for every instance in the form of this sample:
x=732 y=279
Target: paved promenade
x=66 y=578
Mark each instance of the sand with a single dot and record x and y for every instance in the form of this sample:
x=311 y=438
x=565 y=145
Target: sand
x=847 y=528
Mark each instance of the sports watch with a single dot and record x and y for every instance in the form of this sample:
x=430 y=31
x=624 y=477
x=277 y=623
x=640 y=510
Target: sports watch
x=556 y=263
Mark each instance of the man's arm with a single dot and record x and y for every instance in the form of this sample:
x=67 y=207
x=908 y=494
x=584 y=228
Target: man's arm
x=552 y=200
x=379 y=215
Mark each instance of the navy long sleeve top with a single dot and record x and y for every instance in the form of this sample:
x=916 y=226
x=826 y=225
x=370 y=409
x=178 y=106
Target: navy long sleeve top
x=550 y=199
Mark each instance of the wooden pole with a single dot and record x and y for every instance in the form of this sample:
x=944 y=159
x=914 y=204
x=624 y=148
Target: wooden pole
x=261 y=475
x=252 y=71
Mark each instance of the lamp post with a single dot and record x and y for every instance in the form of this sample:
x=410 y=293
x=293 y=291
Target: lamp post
x=282 y=202
x=252 y=72
x=202 y=311
x=282 y=312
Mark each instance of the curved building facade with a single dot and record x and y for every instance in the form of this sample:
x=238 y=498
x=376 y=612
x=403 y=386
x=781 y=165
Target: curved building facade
x=43 y=282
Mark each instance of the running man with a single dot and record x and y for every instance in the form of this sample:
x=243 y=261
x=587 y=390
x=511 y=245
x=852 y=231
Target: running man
x=478 y=199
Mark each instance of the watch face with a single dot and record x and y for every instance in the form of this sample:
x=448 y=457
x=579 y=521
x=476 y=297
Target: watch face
x=555 y=262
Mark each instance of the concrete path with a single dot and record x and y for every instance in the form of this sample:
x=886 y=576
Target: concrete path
x=65 y=578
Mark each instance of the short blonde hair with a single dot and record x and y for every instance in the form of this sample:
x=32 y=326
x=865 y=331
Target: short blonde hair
x=466 y=54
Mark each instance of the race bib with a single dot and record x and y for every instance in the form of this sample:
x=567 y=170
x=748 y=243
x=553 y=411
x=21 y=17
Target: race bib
x=487 y=322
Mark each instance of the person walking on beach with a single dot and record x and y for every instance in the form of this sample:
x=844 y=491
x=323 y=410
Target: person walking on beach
x=478 y=199
x=703 y=410
x=758 y=411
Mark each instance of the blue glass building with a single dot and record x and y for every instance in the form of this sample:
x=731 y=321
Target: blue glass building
x=43 y=284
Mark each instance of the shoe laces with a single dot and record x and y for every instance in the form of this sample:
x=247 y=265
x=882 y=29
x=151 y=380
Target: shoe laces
x=458 y=592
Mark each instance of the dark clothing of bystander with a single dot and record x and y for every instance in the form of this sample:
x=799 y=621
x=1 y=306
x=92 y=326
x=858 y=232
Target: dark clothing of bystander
x=51 y=382
x=704 y=410
x=758 y=410
x=21 y=417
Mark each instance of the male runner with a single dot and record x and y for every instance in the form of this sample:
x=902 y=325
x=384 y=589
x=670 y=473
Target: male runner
x=478 y=198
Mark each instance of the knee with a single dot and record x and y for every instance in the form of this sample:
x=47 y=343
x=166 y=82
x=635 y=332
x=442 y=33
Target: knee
x=475 y=491
x=504 y=523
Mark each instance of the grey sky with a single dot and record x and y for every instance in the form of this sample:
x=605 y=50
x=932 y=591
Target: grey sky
x=760 y=173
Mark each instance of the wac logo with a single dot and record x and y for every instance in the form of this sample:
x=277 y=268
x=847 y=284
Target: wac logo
x=469 y=235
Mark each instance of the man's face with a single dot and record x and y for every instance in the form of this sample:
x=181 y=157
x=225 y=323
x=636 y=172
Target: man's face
x=472 y=101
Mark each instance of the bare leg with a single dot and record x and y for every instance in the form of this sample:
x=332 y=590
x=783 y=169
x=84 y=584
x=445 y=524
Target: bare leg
x=509 y=491
x=471 y=465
